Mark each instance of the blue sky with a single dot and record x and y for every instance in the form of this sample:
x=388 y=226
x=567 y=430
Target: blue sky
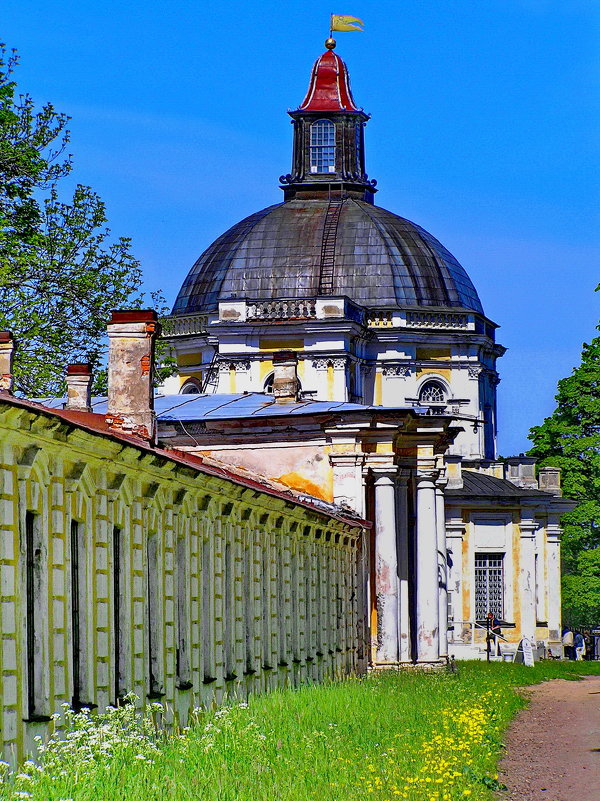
x=485 y=131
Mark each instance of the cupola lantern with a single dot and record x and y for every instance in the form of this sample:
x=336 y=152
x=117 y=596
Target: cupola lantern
x=328 y=154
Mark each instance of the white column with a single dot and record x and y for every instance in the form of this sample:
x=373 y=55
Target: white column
x=427 y=570
x=455 y=533
x=552 y=589
x=340 y=381
x=440 y=521
x=403 y=568
x=527 y=578
x=386 y=566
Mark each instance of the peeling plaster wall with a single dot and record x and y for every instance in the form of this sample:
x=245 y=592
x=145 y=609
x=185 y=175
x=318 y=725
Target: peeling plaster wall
x=305 y=468
x=255 y=591
x=530 y=573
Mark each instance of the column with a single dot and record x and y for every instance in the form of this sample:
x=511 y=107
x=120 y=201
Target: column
x=527 y=578
x=386 y=566
x=455 y=532
x=552 y=589
x=440 y=520
x=340 y=381
x=402 y=540
x=427 y=570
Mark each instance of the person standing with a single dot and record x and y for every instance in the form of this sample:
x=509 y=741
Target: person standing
x=579 y=643
x=567 y=641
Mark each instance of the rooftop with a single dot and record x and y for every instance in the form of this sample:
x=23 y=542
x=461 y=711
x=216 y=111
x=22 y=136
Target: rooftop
x=95 y=423
x=170 y=408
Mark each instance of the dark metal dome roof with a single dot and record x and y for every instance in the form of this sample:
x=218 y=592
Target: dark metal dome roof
x=380 y=260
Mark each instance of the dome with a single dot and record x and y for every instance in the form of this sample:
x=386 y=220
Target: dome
x=372 y=256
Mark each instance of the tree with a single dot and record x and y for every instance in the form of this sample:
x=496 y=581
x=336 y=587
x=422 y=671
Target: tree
x=60 y=271
x=570 y=439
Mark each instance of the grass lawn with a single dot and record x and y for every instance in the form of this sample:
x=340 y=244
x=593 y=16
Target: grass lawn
x=389 y=736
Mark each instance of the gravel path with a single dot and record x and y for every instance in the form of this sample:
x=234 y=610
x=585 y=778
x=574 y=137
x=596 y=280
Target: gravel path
x=553 y=746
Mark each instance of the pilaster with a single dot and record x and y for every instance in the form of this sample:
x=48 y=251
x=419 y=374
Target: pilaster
x=528 y=528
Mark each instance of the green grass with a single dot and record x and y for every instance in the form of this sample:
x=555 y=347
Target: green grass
x=390 y=736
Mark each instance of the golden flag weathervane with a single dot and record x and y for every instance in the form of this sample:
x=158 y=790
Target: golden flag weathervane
x=342 y=22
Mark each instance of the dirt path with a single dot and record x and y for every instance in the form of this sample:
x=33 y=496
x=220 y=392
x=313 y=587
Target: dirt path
x=553 y=746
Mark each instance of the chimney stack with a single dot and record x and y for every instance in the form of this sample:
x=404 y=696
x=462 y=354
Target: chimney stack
x=131 y=338
x=285 y=377
x=521 y=471
x=454 y=471
x=79 y=387
x=7 y=352
x=549 y=480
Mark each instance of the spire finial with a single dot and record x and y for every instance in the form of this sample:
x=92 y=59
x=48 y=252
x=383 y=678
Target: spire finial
x=330 y=43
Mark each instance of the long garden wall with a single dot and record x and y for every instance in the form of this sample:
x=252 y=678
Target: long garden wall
x=129 y=569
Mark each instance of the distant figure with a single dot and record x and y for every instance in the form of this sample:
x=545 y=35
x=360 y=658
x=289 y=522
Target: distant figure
x=579 y=643
x=495 y=632
x=567 y=641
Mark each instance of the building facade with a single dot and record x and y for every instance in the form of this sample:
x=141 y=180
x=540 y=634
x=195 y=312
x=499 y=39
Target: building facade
x=379 y=323
x=316 y=491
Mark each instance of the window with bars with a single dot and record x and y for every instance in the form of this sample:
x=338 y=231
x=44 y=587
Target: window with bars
x=432 y=392
x=489 y=585
x=322 y=147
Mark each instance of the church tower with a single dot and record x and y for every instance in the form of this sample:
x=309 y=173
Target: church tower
x=328 y=157
x=376 y=309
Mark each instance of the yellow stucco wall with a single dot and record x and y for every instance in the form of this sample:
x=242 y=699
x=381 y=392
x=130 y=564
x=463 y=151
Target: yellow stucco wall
x=228 y=549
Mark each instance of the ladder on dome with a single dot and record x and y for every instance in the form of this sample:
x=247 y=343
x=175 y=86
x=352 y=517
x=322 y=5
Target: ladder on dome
x=330 y=227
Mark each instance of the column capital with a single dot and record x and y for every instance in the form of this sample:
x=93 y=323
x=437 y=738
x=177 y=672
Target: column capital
x=427 y=477
x=353 y=459
x=456 y=528
x=554 y=532
x=441 y=483
x=404 y=475
x=384 y=475
x=528 y=528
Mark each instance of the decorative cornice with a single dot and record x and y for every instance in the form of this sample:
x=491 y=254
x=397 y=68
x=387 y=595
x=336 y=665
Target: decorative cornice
x=395 y=370
x=239 y=365
x=337 y=362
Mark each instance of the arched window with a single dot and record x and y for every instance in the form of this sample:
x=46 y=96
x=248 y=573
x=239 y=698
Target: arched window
x=191 y=387
x=432 y=392
x=322 y=146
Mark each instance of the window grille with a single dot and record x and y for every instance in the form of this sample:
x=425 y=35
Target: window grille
x=358 y=147
x=322 y=146
x=432 y=392
x=489 y=586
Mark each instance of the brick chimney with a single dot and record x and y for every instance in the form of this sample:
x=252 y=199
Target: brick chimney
x=79 y=387
x=7 y=351
x=285 y=377
x=131 y=338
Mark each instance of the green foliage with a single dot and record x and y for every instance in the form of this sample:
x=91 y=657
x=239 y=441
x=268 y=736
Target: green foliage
x=421 y=737
x=570 y=439
x=61 y=273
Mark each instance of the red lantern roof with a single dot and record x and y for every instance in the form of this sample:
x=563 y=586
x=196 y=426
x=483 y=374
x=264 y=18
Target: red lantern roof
x=329 y=87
